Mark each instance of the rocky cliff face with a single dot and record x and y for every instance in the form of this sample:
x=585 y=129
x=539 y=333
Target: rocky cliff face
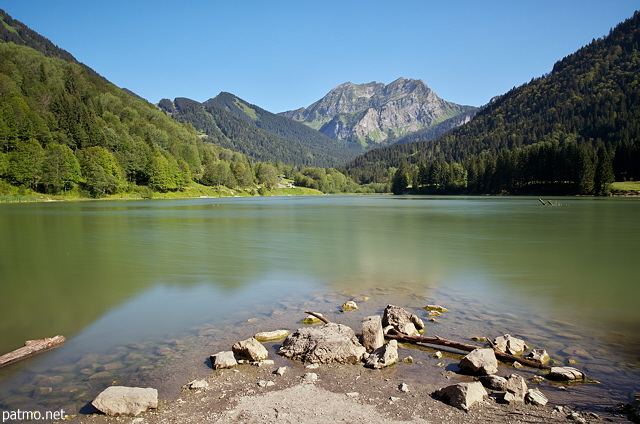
x=375 y=113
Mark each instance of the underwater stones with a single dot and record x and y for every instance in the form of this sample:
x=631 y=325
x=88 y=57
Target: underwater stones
x=350 y=306
x=436 y=308
x=565 y=374
x=310 y=319
x=480 y=361
x=267 y=336
x=538 y=355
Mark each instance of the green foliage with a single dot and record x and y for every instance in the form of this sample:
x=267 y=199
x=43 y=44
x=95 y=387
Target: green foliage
x=60 y=169
x=588 y=101
x=25 y=163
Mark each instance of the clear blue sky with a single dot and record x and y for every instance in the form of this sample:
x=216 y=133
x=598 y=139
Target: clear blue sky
x=282 y=55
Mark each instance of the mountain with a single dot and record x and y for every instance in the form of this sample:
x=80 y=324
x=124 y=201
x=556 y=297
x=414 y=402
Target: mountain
x=375 y=113
x=572 y=130
x=238 y=125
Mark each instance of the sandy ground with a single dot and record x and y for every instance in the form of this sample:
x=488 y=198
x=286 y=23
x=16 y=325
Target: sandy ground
x=341 y=393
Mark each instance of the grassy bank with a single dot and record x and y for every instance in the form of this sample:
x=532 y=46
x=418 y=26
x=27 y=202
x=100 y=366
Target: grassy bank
x=628 y=188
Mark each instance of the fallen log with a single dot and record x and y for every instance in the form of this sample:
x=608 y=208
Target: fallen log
x=30 y=348
x=320 y=317
x=394 y=334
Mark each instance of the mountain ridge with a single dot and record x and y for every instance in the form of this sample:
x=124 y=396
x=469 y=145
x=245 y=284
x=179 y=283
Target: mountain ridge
x=377 y=114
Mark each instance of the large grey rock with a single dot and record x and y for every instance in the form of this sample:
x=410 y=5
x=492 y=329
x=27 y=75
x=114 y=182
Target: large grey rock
x=463 y=395
x=565 y=373
x=121 y=400
x=516 y=389
x=372 y=334
x=536 y=397
x=480 y=361
x=494 y=382
x=223 y=360
x=401 y=320
x=383 y=356
x=250 y=349
x=330 y=343
x=509 y=344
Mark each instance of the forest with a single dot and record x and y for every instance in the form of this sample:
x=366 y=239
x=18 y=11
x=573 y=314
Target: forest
x=569 y=132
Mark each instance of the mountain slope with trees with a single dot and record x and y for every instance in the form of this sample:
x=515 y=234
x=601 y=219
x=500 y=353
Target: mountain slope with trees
x=571 y=131
x=235 y=124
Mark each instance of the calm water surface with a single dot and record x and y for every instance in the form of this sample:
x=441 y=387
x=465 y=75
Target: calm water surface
x=141 y=284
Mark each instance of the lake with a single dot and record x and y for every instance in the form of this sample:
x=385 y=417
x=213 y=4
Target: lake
x=143 y=288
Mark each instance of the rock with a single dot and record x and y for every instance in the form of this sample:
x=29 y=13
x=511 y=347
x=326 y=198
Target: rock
x=437 y=354
x=383 y=356
x=352 y=394
x=462 y=395
x=403 y=387
x=480 y=361
x=196 y=384
x=121 y=400
x=565 y=373
x=633 y=409
x=223 y=360
x=516 y=389
x=372 y=334
x=281 y=371
x=575 y=416
x=267 y=336
x=330 y=343
x=310 y=319
x=401 y=320
x=250 y=349
x=494 y=382
x=479 y=339
x=436 y=308
x=536 y=397
x=264 y=383
x=264 y=363
x=509 y=344
x=408 y=360
x=310 y=378
x=538 y=355
x=517 y=365
x=350 y=306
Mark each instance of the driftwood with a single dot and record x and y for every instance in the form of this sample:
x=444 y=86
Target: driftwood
x=30 y=348
x=393 y=334
x=320 y=317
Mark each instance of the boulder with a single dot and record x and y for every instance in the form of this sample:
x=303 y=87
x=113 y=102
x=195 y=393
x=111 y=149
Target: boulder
x=267 y=336
x=509 y=344
x=350 y=306
x=372 y=334
x=250 y=349
x=480 y=361
x=401 y=320
x=538 y=355
x=494 y=382
x=516 y=389
x=383 y=356
x=223 y=360
x=330 y=343
x=565 y=373
x=121 y=400
x=462 y=395
x=536 y=397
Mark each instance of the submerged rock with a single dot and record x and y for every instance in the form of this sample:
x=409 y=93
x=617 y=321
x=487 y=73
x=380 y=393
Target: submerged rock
x=436 y=308
x=538 y=355
x=383 y=356
x=565 y=374
x=509 y=344
x=121 y=400
x=310 y=319
x=480 y=361
x=401 y=320
x=372 y=333
x=462 y=395
x=250 y=349
x=267 y=336
x=330 y=343
x=350 y=306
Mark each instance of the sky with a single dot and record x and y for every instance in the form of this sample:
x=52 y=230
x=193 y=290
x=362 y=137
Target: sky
x=283 y=55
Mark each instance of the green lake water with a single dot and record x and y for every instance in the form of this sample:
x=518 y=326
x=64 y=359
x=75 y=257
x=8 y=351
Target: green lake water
x=140 y=285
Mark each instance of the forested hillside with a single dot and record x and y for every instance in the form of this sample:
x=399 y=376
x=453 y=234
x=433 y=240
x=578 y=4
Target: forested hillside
x=282 y=140
x=571 y=131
